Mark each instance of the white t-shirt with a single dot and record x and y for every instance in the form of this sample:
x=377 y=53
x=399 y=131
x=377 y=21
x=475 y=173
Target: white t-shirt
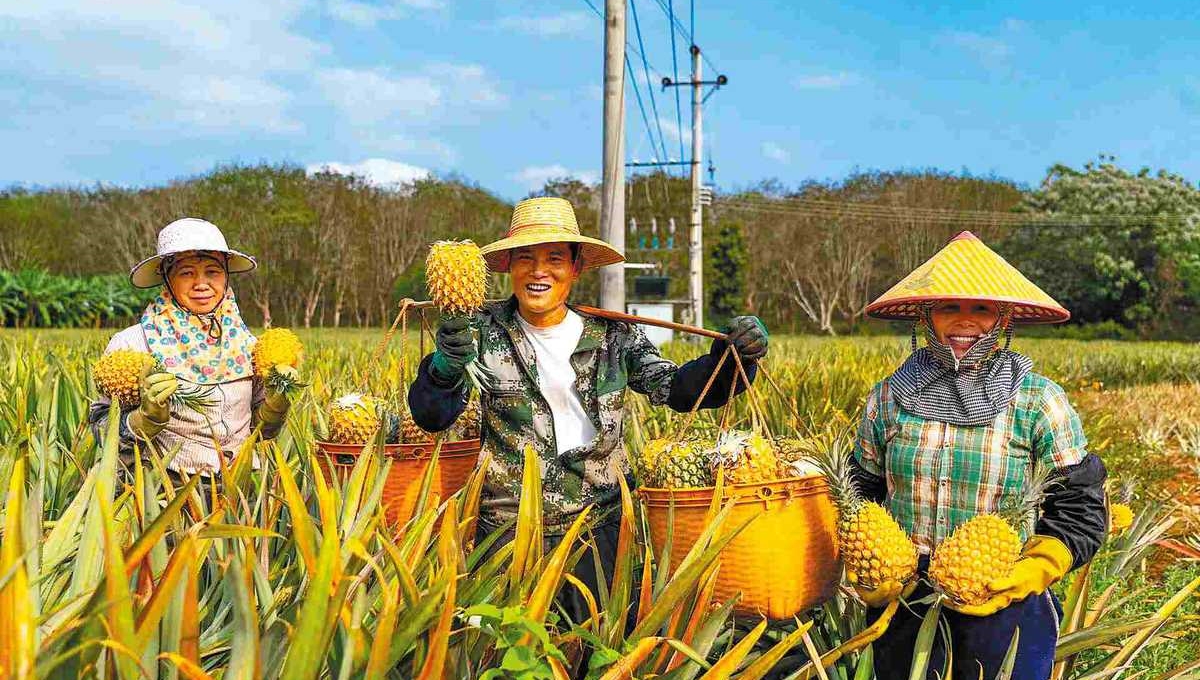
x=552 y=348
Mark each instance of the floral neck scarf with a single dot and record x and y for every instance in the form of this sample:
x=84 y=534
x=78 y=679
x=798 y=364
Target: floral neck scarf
x=200 y=348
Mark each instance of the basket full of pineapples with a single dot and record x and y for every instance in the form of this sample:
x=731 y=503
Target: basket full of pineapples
x=785 y=560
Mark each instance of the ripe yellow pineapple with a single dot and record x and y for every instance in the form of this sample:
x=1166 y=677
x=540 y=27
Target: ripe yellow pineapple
x=118 y=375
x=277 y=347
x=747 y=457
x=1120 y=513
x=676 y=464
x=354 y=419
x=985 y=547
x=872 y=546
x=1120 y=518
x=456 y=275
x=411 y=432
x=468 y=422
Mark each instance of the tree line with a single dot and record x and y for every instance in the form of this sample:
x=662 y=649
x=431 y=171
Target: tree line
x=1114 y=246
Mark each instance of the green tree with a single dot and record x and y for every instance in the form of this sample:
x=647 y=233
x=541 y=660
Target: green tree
x=725 y=266
x=1113 y=245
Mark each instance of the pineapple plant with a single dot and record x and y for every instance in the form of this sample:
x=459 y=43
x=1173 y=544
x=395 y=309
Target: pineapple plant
x=354 y=418
x=278 y=347
x=746 y=457
x=456 y=276
x=985 y=547
x=873 y=547
x=118 y=376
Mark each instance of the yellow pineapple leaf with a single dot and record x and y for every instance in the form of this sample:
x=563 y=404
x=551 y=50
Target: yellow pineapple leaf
x=729 y=663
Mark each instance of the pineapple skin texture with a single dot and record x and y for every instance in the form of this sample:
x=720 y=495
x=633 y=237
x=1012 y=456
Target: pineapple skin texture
x=354 y=424
x=118 y=375
x=755 y=463
x=874 y=549
x=983 y=549
x=276 y=346
x=676 y=465
x=411 y=433
x=456 y=275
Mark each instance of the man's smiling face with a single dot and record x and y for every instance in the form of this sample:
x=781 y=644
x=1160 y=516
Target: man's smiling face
x=542 y=276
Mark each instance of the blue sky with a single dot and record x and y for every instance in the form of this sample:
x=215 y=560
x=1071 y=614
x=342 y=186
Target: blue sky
x=507 y=92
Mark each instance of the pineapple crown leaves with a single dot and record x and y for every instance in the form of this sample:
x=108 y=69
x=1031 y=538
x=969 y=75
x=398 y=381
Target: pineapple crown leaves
x=1023 y=509
x=834 y=463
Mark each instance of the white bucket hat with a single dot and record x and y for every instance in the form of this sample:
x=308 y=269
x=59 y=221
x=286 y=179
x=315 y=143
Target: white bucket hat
x=187 y=235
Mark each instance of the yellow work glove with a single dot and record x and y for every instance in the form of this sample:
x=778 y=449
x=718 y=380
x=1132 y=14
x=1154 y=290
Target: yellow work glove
x=883 y=594
x=154 y=411
x=274 y=409
x=1044 y=561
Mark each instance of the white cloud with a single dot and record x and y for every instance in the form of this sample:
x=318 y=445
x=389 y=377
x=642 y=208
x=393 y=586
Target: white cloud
x=440 y=92
x=536 y=176
x=378 y=171
x=775 y=152
x=220 y=64
x=368 y=14
x=368 y=97
x=984 y=47
x=564 y=24
x=826 y=81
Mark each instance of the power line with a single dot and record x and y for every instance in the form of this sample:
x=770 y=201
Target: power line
x=637 y=91
x=675 y=69
x=630 y=47
x=834 y=209
x=649 y=86
x=683 y=32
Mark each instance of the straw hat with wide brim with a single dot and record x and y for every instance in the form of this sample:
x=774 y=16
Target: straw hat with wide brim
x=966 y=269
x=189 y=234
x=547 y=220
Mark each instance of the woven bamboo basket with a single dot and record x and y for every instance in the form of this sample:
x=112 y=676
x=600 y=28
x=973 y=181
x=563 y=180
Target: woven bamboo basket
x=785 y=560
x=456 y=461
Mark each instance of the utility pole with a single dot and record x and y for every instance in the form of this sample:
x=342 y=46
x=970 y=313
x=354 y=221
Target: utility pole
x=612 y=188
x=696 y=240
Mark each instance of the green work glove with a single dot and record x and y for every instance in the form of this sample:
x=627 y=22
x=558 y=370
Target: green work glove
x=1044 y=561
x=748 y=336
x=154 y=411
x=275 y=407
x=455 y=349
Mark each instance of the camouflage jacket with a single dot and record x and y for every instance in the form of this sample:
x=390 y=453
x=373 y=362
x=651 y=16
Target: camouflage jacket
x=610 y=358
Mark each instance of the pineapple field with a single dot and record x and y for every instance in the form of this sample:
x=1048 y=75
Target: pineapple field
x=284 y=572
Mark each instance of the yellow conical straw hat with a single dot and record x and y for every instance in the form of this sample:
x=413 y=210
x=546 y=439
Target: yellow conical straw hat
x=966 y=269
x=547 y=220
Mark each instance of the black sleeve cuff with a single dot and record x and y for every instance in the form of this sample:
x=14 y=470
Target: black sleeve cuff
x=1073 y=510
x=691 y=377
x=434 y=407
x=870 y=486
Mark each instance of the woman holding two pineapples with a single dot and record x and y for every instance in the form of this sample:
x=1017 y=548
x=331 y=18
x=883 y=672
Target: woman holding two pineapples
x=555 y=378
x=189 y=376
x=982 y=462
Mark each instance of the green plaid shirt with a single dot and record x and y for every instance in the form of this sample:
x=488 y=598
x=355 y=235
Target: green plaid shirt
x=941 y=475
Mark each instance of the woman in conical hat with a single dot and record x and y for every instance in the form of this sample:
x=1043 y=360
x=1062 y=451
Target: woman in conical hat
x=195 y=331
x=954 y=433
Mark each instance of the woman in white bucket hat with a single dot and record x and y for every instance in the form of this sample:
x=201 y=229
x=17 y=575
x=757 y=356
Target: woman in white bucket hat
x=194 y=328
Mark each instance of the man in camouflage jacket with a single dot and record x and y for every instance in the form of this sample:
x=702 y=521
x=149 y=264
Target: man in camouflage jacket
x=610 y=357
x=531 y=392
